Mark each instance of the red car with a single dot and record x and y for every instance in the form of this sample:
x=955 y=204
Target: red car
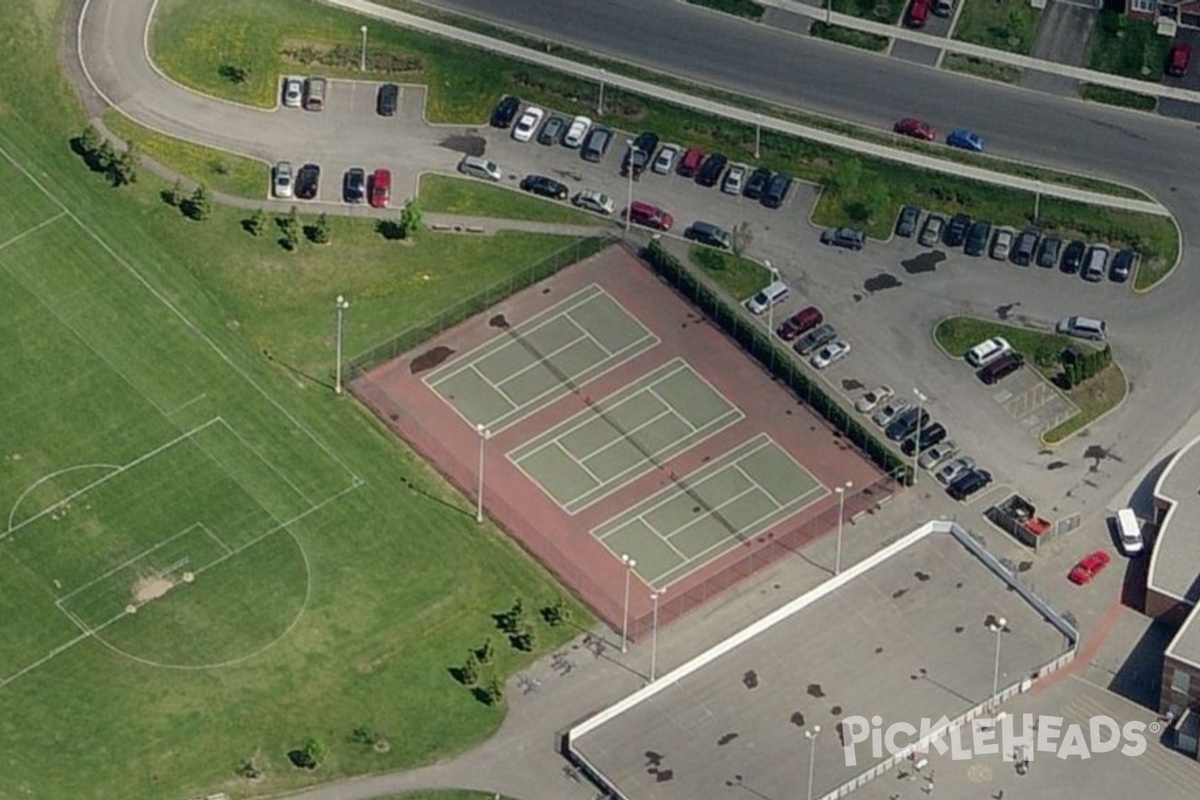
x=1089 y=567
x=918 y=13
x=381 y=188
x=650 y=216
x=911 y=126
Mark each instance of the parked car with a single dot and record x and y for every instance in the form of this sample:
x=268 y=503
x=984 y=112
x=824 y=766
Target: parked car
x=937 y=454
x=314 y=94
x=735 y=179
x=387 y=99
x=906 y=223
x=711 y=170
x=777 y=189
x=918 y=13
x=1072 y=258
x=546 y=187
x=831 y=354
x=1178 y=59
x=965 y=140
x=1088 y=567
x=802 y=321
x=639 y=154
x=690 y=163
x=844 y=237
x=649 y=215
x=911 y=126
x=977 y=238
x=597 y=144
x=667 y=156
x=931 y=231
x=1129 y=533
x=506 y=112
x=1049 y=252
x=594 y=200
x=381 y=188
x=869 y=401
x=479 y=167
x=758 y=182
x=282 y=183
x=709 y=234
x=1089 y=328
x=957 y=230
x=552 y=131
x=927 y=437
x=1001 y=368
x=354 y=185
x=1025 y=247
x=1002 y=242
x=293 y=91
x=889 y=411
x=1096 y=263
x=907 y=423
x=951 y=471
x=987 y=351
x=1122 y=266
x=765 y=298
x=969 y=483
x=577 y=132
x=528 y=124
x=817 y=337
x=308 y=181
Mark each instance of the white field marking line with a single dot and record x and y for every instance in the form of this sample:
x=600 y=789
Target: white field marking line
x=126 y=563
x=670 y=408
x=541 y=359
x=579 y=464
x=105 y=478
x=187 y=403
x=221 y=470
x=270 y=465
x=495 y=387
x=749 y=477
x=21 y=497
x=712 y=512
x=623 y=436
x=661 y=537
x=588 y=334
x=86 y=343
x=32 y=230
x=192 y=326
x=220 y=542
x=501 y=341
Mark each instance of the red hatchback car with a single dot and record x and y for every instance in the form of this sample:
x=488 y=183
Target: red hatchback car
x=1088 y=567
x=650 y=216
x=918 y=13
x=381 y=188
x=911 y=126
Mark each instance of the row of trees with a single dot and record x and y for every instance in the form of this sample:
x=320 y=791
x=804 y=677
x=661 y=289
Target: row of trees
x=98 y=153
x=1080 y=365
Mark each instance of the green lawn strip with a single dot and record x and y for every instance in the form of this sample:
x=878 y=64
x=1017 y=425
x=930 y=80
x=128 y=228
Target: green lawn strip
x=216 y=169
x=849 y=36
x=1009 y=25
x=465 y=83
x=1125 y=46
x=1113 y=96
x=885 y=11
x=1096 y=397
x=737 y=275
x=450 y=195
x=446 y=794
x=980 y=67
x=739 y=8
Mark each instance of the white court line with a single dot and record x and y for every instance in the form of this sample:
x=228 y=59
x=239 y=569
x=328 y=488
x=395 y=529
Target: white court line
x=32 y=230
x=540 y=360
x=220 y=542
x=747 y=476
x=270 y=465
x=712 y=512
x=583 y=329
x=494 y=387
x=670 y=408
x=641 y=518
x=578 y=463
x=625 y=435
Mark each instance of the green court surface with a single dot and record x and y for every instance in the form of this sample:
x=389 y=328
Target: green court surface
x=533 y=364
x=599 y=450
x=705 y=514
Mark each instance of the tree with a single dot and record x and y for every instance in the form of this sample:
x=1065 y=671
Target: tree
x=320 y=230
x=104 y=157
x=469 y=671
x=487 y=653
x=410 y=219
x=123 y=168
x=255 y=223
x=174 y=195
x=199 y=205
x=249 y=769
x=524 y=639
x=89 y=141
x=315 y=750
x=493 y=692
x=742 y=237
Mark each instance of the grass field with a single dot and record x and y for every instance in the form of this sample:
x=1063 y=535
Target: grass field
x=476 y=198
x=1001 y=24
x=204 y=553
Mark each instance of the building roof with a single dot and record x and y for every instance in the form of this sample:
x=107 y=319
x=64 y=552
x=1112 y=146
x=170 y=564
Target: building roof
x=1175 y=563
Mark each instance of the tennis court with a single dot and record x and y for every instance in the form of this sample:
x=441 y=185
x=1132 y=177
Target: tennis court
x=706 y=514
x=533 y=364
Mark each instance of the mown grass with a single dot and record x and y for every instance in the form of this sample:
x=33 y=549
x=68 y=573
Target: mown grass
x=737 y=275
x=445 y=194
x=887 y=11
x=739 y=8
x=446 y=794
x=849 y=36
x=1123 y=45
x=982 y=68
x=1111 y=95
x=1009 y=25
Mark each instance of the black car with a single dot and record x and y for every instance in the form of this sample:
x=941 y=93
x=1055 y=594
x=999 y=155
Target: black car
x=1072 y=259
x=711 y=169
x=758 y=182
x=638 y=157
x=595 y=147
x=552 y=131
x=928 y=436
x=777 y=190
x=354 y=185
x=956 y=231
x=1051 y=249
x=387 y=100
x=906 y=225
x=709 y=234
x=969 y=483
x=546 y=187
x=1122 y=266
x=308 y=181
x=1025 y=247
x=906 y=424
x=506 y=112
x=977 y=239
x=848 y=238
x=817 y=337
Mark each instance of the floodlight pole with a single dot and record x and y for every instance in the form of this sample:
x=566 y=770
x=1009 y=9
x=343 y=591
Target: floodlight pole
x=811 y=735
x=362 y=61
x=484 y=435
x=757 y=136
x=655 y=596
x=600 y=102
x=841 y=493
x=341 y=304
x=921 y=400
x=771 y=306
x=997 y=627
x=629 y=563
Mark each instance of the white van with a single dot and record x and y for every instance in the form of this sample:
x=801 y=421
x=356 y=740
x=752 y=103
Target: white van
x=478 y=167
x=1083 y=328
x=986 y=352
x=772 y=294
x=1129 y=531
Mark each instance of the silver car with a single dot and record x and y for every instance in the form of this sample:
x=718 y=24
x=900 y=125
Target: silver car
x=1002 y=243
x=284 y=180
x=954 y=470
x=735 y=179
x=884 y=416
x=931 y=233
x=664 y=163
x=293 y=92
x=937 y=454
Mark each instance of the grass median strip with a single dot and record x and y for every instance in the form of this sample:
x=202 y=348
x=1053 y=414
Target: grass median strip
x=1008 y=25
x=449 y=195
x=737 y=275
x=981 y=67
x=849 y=36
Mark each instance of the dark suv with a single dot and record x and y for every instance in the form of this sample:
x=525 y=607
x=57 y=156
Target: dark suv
x=354 y=185
x=308 y=179
x=1072 y=259
x=906 y=424
x=777 y=190
x=977 y=239
x=546 y=187
x=969 y=483
x=1025 y=247
x=710 y=171
x=506 y=112
x=956 y=231
x=638 y=156
x=387 y=100
x=759 y=180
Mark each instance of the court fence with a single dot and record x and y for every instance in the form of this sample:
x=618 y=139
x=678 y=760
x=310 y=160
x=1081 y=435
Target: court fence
x=759 y=343
x=477 y=303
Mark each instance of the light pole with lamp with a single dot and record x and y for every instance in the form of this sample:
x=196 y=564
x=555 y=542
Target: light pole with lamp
x=758 y=136
x=629 y=205
x=996 y=626
x=484 y=435
x=774 y=273
x=341 y=304
x=600 y=102
x=629 y=563
x=921 y=401
x=841 y=493
x=655 y=596
x=811 y=735
x=362 y=60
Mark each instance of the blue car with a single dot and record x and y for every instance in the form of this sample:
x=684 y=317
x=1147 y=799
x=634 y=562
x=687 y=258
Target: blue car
x=966 y=140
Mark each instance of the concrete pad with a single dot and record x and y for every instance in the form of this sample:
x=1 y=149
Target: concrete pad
x=916 y=53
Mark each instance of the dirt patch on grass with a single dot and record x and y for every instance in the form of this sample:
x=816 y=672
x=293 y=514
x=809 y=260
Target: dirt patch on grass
x=151 y=587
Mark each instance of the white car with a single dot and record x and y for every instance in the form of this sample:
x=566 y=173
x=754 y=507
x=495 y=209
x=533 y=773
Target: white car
x=987 y=351
x=577 y=132
x=953 y=470
x=593 y=200
x=735 y=179
x=830 y=354
x=282 y=185
x=1002 y=243
x=667 y=156
x=293 y=92
x=891 y=409
x=937 y=454
x=528 y=124
x=869 y=401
